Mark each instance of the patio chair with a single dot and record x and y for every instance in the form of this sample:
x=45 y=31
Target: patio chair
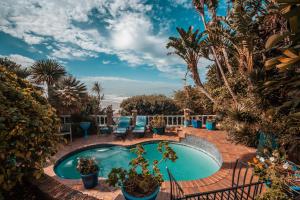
x=65 y=129
x=140 y=126
x=123 y=127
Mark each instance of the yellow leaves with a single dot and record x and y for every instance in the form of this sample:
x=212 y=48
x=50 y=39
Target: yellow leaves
x=275 y=39
x=289 y=58
x=271 y=62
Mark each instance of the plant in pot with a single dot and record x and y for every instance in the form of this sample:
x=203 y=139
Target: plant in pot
x=197 y=123
x=88 y=170
x=139 y=183
x=158 y=125
x=210 y=124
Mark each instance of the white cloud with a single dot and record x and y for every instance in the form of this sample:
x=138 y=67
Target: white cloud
x=184 y=3
x=127 y=30
x=105 y=62
x=19 y=59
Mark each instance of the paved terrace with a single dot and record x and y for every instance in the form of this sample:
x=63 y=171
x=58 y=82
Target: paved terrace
x=229 y=151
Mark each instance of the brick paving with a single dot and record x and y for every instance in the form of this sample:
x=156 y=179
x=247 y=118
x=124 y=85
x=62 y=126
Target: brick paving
x=229 y=151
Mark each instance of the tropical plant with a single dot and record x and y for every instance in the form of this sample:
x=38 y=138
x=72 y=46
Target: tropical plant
x=97 y=89
x=142 y=182
x=281 y=91
x=28 y=127
x=87 y=166
x=212 y=7
x=190 y=47
x=69 y=95
x=195 y=101
x=47 y=72
x=11 y=66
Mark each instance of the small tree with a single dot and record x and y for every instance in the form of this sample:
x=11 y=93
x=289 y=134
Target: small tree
x=28 y=127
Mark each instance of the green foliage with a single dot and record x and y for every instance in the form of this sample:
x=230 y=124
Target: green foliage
x=14 y=67
x=149 y=105
x=194 y=100
x=142 y=183
x=87 y=166
x=28 y=127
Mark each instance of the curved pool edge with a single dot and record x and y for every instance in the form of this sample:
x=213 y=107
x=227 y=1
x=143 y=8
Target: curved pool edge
x=229 y=151
x=203 y=148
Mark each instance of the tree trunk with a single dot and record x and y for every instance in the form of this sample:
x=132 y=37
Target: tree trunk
x=228 y=65
x=195 y=75
x=219 y=66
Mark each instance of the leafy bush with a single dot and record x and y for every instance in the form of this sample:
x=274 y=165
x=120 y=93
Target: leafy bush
x=193 y=100
x=87 y=166
x=142 y=182
x=149 y=105
x=27 y=125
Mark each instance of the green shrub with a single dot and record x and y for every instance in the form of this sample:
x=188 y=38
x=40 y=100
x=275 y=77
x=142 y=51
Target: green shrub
x=27 y=125
x=150 y=105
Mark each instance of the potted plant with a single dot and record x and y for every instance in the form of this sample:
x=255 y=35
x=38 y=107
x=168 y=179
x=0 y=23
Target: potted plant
x=139 y=183
x=88 y=170
x=158 y=124
x=210 y=124
x=197 y=123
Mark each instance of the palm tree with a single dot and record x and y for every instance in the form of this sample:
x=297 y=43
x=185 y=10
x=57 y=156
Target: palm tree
x=212 y=5
x=97 y=88
x=71 y=94
x=189 y=46
x=47 y=72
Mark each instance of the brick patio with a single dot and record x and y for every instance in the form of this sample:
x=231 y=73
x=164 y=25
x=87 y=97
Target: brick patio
x=229 y=151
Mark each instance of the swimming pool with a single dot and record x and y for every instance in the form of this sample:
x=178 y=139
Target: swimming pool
x=192 y=163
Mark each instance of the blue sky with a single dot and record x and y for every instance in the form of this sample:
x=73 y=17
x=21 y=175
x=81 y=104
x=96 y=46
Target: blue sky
x=120 y=43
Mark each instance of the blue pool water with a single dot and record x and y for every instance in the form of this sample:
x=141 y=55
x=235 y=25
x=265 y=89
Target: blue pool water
x=191 y=163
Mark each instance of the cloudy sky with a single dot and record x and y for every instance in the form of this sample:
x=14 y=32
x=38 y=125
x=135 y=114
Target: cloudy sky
x=120 y=43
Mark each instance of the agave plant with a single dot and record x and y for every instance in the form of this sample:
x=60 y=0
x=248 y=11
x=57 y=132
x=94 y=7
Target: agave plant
x=190 y=47
x=47 y=72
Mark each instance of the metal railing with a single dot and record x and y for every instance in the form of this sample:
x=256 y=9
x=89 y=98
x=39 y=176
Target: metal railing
x=170 y=120
x=239 y=189
x=241 y=192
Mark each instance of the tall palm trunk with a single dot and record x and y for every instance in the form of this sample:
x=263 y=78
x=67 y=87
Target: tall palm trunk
x=197 y=81
x=219 y=65
x=228 y=65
